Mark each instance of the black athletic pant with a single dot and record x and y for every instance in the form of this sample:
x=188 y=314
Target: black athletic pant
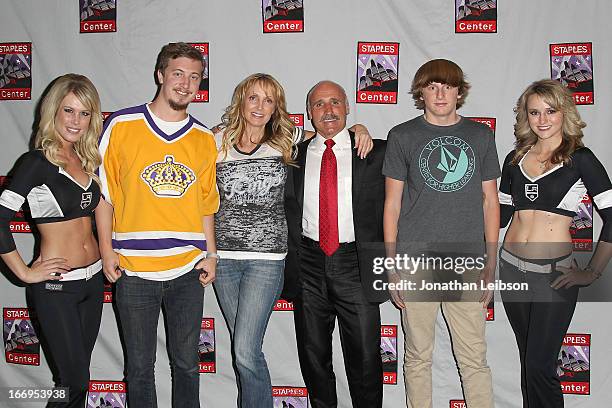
x=330 y=288
x=540 y=319
x=70 y=320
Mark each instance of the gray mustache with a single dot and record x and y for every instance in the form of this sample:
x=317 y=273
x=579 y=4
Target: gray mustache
x=329 y=116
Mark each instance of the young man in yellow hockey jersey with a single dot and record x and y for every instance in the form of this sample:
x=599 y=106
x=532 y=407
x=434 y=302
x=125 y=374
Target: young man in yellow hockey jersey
x=157 y=230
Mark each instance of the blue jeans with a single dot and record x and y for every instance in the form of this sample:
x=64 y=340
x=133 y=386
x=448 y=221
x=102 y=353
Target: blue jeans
x=247 y=290
x=139 y=302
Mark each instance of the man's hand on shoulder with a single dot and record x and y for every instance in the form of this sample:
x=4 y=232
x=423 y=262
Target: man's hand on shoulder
x=363 y=140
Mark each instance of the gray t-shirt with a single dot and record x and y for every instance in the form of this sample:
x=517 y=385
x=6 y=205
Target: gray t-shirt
x=250 y=223
x=443 y=168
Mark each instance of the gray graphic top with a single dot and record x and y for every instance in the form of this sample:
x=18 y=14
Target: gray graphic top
x=443 y=168
x=250 y=223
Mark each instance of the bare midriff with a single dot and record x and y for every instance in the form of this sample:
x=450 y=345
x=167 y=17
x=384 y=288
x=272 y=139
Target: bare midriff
x=537 y=234
x=72 y=240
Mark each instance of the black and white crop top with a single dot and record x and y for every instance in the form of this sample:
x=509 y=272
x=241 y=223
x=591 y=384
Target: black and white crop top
x=559 y=190
x=52 y=195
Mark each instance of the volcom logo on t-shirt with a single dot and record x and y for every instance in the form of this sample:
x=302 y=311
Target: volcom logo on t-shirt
x=447 y=163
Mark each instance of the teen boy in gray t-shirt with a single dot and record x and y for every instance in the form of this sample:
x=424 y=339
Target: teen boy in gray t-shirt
x=441 y=191
x=442 y=168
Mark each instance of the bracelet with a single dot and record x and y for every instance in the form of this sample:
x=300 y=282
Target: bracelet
x=213 y=255
x=392 y=271
x=596 y=274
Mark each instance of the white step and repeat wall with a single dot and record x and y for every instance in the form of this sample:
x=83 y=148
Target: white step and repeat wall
x=499 y=65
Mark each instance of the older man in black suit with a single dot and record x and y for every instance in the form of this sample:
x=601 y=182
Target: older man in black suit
x=334 y=206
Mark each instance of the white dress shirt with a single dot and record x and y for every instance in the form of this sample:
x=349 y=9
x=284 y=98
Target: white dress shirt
x=312 y=175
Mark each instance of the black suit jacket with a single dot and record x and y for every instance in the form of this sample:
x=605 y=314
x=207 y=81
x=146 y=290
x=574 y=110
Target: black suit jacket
x=368 y=202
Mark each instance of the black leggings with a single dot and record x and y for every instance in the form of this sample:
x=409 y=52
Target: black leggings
x=540 y=319
x=70 y=320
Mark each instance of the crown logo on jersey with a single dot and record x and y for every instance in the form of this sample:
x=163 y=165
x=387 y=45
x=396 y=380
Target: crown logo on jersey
x=168 y=178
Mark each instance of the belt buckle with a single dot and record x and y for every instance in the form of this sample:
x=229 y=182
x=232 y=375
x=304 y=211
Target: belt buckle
x=88 y=273
x=522 y=265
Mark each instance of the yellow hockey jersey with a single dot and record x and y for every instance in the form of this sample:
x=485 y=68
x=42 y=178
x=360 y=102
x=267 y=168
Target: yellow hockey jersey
x=160 y=187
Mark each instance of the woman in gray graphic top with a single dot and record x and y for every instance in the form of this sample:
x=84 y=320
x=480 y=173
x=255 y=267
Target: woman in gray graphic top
x=255 y=147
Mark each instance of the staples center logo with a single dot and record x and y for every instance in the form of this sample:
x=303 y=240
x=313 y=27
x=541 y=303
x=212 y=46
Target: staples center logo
x=98 y=16
x=206 y=346
x=283 y=305
x=108 y=291
x=491 y=310
x=203 y=91
x=490 y=122
x=289 y=397
x=572 y=65
x=475 y=16
x=106 y=394
x=15 y=71
x=574 y=364
x=297 y=119
x=21 y=345
x=581 y=228
x=388 y=353
x=18 y=224
x=282 y=16
x=377 y=72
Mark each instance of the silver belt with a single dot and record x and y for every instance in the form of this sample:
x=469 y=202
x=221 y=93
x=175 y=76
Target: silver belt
x=526 y=266
x=86 y=272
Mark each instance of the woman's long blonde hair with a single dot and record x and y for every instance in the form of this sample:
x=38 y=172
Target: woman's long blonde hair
x=48 y=139
x=560 y=99
x=279 y=129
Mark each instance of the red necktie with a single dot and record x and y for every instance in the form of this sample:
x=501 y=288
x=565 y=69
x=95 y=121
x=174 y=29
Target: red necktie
x=328 y=201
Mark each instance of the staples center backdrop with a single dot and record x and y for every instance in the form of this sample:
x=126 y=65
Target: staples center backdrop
x=498 y=64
